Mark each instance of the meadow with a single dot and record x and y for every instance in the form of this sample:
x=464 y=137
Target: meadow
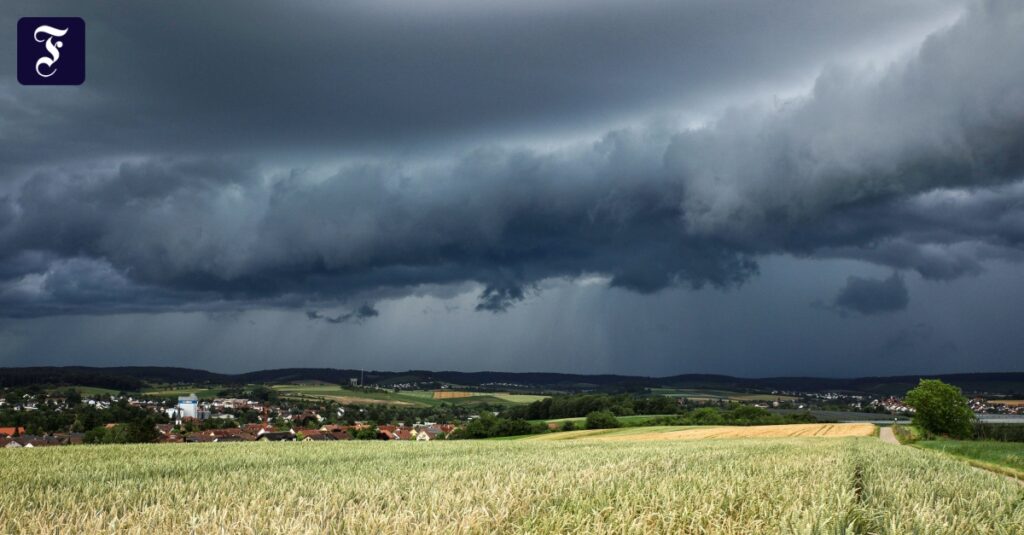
x=633 y=419
x=763 y=485
x=710 y=394
x=409 y=398
x=1006 y=457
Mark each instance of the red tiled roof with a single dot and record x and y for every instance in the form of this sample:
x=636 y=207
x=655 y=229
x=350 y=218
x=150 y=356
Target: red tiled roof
x=226 y=432
x=10 y=431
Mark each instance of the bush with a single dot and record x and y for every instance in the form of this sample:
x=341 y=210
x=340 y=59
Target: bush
x=941 y=409
x=489 y=426
x=602 y=420
x=706 y=416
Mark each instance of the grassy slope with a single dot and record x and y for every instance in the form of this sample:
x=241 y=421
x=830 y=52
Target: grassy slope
x=636 y=419
x=86 y=391
x=595 y=433
x=163 y=391
x=1005 y=457
x=353 y=395
x=711 y=394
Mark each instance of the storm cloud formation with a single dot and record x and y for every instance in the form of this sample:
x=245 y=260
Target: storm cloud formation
x=870 y=165
x=358 y=315
x=307 y=158
x=873 y=296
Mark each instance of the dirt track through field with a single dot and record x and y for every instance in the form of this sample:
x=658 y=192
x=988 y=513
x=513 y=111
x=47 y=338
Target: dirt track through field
x=887 y=436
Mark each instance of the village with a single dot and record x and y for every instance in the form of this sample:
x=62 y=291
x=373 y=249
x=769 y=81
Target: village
x=220 y=420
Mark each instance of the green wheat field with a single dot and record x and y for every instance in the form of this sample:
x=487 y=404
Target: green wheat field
x=779 y=485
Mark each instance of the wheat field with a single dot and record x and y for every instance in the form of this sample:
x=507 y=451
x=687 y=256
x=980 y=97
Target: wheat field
x=679 y=432
x=756 y=431
x=785 y=485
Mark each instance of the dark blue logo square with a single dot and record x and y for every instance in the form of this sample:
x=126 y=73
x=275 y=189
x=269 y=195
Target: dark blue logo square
x=51 y=51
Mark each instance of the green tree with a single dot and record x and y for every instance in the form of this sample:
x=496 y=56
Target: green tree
x=602 y=420
x=366 y=433
x=941 y=409
x=706 y=416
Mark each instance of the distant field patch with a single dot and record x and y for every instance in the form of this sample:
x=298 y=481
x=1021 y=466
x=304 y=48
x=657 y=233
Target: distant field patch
x=626 y=432
x=490 y=397
x=449 y=394
x=202 y=392
x=716 y=432
x=1007 y=402
x=520 y=398
x=85 y=390
x=419 y=398
x=351 y=396
x=634 y=419
x=713 y=395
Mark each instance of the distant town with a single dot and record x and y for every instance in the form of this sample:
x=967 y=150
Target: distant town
x=45 y=415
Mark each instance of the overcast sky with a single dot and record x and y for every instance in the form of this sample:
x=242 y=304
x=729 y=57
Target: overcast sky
x=646 y=187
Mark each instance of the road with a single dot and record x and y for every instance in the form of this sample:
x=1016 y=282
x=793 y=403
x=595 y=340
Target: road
x=887 y=436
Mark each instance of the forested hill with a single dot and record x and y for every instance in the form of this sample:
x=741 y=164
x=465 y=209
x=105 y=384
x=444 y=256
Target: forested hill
x=133 y=378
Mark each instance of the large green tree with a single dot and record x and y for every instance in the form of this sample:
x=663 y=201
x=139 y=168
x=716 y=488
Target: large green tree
x=941 y=409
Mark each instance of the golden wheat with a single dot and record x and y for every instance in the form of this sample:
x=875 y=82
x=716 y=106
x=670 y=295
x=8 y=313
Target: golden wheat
x=787 y=485
x=754 y=431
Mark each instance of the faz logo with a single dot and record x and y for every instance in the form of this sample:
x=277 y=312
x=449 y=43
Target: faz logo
x=51 y=51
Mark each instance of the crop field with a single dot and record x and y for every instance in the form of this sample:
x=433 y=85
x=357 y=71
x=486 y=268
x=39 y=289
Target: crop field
x=1007 y=402
x=716 y=395
x=451 y=394
x=418 y=398
x=678 y=432
x=204 y=392
x=354 y=396
x=788 y=485
x=633 y=419
x=87 y=391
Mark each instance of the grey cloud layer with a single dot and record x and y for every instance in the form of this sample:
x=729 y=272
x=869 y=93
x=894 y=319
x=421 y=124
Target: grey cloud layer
x=293 y=78
x=914 y=166
x=873 y=296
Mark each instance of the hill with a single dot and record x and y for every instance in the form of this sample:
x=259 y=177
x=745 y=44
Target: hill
x=134 y=378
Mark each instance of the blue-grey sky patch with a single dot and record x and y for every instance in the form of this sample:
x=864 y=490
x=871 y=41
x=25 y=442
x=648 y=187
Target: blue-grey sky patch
x=873 y=296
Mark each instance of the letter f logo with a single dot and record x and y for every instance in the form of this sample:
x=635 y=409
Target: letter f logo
x=53 y=48
x=51 y=51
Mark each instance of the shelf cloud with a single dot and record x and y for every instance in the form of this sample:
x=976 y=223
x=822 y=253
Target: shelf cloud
x=871 y=164
x=304 y=163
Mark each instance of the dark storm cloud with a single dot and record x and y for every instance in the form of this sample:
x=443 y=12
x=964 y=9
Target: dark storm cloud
x=500 y=298
x=856 y=169
x=873 y=296
x=262 y=75
x=364 y=312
